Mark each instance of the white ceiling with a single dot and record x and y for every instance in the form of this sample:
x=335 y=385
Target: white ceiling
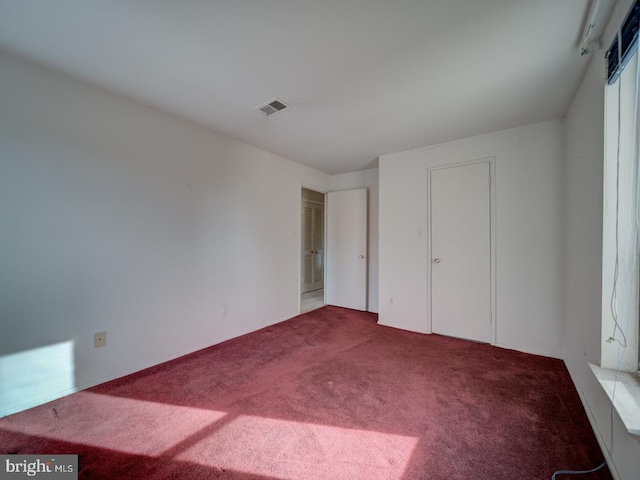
x=363 y=77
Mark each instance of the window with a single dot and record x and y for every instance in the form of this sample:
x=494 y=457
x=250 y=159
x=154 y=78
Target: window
x=621 y=220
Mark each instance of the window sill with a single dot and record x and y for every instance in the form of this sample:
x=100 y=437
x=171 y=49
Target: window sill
x=627 y=396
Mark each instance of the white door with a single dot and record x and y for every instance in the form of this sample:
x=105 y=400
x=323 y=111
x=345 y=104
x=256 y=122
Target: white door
x=460 y=207
x=312 y=247
x=346 y=268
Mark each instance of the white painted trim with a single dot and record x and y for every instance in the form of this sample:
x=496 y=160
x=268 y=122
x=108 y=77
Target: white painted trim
x=492 y=241
x=315 y=188
x=626 y=398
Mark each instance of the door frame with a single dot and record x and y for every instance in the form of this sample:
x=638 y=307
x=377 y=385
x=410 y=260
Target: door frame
x=492 y=239
x=324 y=192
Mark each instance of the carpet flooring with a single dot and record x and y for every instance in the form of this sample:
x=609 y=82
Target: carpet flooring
x=326 y=395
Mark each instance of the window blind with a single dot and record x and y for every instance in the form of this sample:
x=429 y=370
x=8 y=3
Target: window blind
x=624 y=45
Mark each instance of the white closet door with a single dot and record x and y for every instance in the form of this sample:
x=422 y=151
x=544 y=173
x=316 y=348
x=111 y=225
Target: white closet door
x=347 y=249
x=318 y=247
x=460 y=251
x=307 y=247
x=312 y=247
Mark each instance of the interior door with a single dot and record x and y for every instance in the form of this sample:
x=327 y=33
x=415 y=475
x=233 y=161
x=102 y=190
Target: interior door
x=347 y=249
x=460 y=208
x=312 y=247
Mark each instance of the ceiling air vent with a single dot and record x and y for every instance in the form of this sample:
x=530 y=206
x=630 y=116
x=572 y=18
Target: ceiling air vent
x=272 y=107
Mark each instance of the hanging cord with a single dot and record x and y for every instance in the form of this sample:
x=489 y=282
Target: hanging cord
x=613 y=304
x=635 y=155
x=577 y=472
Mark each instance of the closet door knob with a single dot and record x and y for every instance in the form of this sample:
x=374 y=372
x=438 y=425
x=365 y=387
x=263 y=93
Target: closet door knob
x=436 y=260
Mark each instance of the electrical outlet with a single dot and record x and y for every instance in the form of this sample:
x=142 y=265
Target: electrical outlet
x=391 y=301
x=99 y=339
x=224 y=310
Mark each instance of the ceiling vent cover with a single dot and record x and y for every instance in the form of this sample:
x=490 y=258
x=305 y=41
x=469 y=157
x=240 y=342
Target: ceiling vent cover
x=272 y=107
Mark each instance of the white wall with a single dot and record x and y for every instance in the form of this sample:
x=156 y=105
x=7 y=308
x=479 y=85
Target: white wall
x=366 y=179
x=118 y=217
x=583 y=256
x=528 y=192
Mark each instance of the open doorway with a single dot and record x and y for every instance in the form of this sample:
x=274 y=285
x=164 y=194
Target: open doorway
x=312 y=250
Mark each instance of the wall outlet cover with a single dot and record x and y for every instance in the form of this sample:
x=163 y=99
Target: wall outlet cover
x=99 y=339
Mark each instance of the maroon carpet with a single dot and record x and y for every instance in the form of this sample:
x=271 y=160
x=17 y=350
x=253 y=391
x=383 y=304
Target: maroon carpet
x=327 y=395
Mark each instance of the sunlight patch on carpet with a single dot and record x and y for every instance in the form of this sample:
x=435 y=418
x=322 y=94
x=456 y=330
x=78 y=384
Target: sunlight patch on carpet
x=288 y=449
x=121 y=424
